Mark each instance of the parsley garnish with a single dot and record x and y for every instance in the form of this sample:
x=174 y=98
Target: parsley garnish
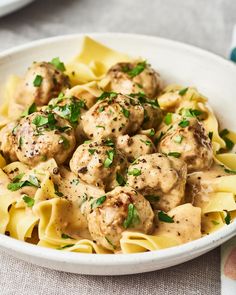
x=215 y=222
x=184 y=123
x=183 y=91
x=192 y=113
x=210 y=135
x=37 y=81
x=91 y=151
x=135 y=172
x=109 y=95
x=147 y=142
x=152 y=198
x=230 y=171
x=98 y=202
x=132 y=217
x=174 y=154
x=101 y=109
x=126 y=112
x=40 y=121
x=138 y=69
x=75 y=181
x=109 y=242
x=159 y=137
x=229 y=143
x=64 y=141
x=165 y=217
x=16 y=184
x=152 y=132
x=28 y=200
x=120 y=179
x=66 y=246
x=109 y=159
x=30 y=110
x=58 y=64
x=227 y=218
x=168 y=119
x=57 y=192
x=70 y=111
x=109 y=142
x=99 y=126
x=65 y=236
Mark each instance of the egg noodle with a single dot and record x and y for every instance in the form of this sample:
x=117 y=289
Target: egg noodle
x=40 y=215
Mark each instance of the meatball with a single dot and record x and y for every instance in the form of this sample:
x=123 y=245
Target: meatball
x=122 y=209
x=98 y=164
x=135 y=146
x=7 y=141
x=129 y=78
x=42 y=82
x=42 y=136
x=188 y=140
x=160 y=179
x=113 y=115
x=152 y=116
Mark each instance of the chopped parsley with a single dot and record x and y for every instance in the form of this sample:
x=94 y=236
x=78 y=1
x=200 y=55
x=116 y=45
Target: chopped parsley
x=135 y=172
x=28 y=200
x=138 y=69
x=132 y=217
x=99 y=126
x=109 y=142
x=30 y=110
x=98 y=202
x=57 y=192
x=126 y=112
x=109 y=95
x=184 y=123
x=65 y=236
x=227 y=218
x=147 y=142
x=152 y=132
x=183 y=91
x=17 y=184
x=58 y=64
x=210 y=135
x=152 y=198
x=229 y=143
x=230 y=171
x=168 y=119
x=38 y=81
x=75 y=181
x=91 y=151
x=215 y=222
x=120 y=179
x=159 y=137
x=174 y=154
x=109 y=242
x=21 y=141
x=109 y=160
x=70 y=111
x=101 y=109
x=192 y=113
x=165 y=217
x=66 y=246
x=178 y=138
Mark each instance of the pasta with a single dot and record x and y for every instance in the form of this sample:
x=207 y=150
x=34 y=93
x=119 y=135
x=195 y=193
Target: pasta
x=98 y=157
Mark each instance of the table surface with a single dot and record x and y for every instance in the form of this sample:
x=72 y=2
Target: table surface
x=204 y=23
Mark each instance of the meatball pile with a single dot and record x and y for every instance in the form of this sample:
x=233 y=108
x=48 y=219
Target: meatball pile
x=110 y=143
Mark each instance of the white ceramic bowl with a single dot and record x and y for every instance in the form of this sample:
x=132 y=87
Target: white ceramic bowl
x=184 y=64
x=8 y=6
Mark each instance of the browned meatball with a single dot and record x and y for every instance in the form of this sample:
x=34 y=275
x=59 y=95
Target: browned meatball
x=7 y=141
x=188 y=140
x=160 y=179
x=42 y=136
x=135 y=146
x=129 y=78
x=119 y=210
x=42 y=82
x=113 y=115
x=98 y=164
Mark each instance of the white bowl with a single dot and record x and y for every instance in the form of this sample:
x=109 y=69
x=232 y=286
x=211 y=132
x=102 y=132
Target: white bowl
x=8 y=6
x=184 y=64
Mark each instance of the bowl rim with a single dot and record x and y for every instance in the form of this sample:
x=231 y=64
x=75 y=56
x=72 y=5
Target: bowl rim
x=74 y=258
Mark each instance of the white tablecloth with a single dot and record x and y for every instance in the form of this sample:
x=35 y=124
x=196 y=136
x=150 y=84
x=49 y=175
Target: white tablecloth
x=205 y=23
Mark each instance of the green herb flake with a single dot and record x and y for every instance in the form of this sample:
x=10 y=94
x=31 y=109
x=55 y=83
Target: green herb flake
x=227 y=218
x=98 y=202
x=109 y=242
x=28 y=200
x=183 y=91
x=109 y=95
x=192 y=113
x=63 y=140
x=91 y=151
x=132 y=217
x=174 y=154
x=184 y=123
x=152 y=132
x=66 y=246
x=178 y=138
x=38 y=81
x=126 y=112
x=120 y=179
x=230 y=171
x=16 y=184
x=30 y=110
x=65 y=236
x=147 y=142
x=21 y=142
x=110 y=157
x=40 y=121
x=215 y=222
x=138 y=69
x=75 y=181
x=99 y=126
x=152 y=198
x=165 y=217
x=109 y=142
x=135 y=172
x=210 y=135
x=58 y=64
x=168 y=119
x=101 y=109
x=224 y=132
